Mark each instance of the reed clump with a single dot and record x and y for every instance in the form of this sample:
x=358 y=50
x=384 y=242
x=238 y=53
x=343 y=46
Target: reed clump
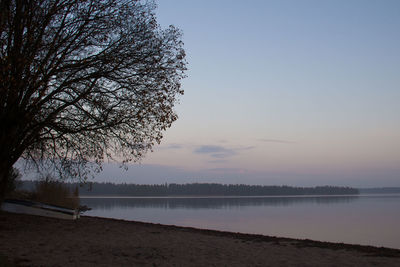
x=50 y=191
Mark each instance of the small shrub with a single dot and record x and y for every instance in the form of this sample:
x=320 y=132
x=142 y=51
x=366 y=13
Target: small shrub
x=12 y=181
x=53 y=192
x=4 y=261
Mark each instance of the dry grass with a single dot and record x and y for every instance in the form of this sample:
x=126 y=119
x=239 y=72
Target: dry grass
x=56 y=193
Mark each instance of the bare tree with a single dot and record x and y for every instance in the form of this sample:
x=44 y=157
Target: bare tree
x=83 y=81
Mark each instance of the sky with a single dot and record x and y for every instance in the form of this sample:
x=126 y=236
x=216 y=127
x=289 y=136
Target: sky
x=301 y=93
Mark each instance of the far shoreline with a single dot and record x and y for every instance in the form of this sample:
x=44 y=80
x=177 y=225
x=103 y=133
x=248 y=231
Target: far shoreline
x=222 y=196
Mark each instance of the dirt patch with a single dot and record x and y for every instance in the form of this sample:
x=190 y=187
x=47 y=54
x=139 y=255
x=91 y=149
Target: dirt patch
x=39 y=241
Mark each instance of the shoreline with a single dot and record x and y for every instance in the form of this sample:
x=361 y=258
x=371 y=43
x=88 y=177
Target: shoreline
x=373 y=250
x=40 y=241
x=227 y=196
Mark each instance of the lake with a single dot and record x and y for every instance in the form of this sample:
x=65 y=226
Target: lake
x=361 y=219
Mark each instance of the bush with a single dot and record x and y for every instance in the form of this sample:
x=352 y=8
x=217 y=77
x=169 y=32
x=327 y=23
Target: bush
x=5 y=262
x=12 y=181
x=50 y=191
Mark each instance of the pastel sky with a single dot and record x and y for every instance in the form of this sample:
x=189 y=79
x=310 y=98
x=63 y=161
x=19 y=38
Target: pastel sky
x=282 y=92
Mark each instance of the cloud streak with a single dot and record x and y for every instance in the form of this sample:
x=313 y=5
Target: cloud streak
x=171 y=147
x=219 y=152
x=265 y=140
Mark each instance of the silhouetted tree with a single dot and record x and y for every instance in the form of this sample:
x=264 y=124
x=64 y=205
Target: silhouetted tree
x=82 y=81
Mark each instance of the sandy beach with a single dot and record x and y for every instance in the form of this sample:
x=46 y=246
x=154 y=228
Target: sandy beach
x=38 y=241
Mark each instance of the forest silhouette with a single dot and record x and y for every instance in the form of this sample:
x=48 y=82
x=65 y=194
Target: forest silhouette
x=199 y=189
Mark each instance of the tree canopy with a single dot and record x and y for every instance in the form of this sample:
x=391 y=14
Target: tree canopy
x=83 y=81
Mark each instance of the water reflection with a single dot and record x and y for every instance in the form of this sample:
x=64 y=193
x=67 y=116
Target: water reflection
x=363 y=219
x=211 y=202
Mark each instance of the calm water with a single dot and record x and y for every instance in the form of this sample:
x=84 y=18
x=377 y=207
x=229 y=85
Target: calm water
x=366 y=219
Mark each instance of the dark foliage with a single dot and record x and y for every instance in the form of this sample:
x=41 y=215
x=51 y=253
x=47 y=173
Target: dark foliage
x=380 y=190
x=13 y=180
x=84 y=81
x=50 y=191
x=204 y=189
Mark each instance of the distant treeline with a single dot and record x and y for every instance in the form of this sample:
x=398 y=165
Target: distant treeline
x=380 y=190
x=200 y=189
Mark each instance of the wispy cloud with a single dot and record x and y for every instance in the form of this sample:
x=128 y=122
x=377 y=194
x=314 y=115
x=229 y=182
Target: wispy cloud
x=217 y=161
x=219 y=152
x=245 y=148
x=275 y=141
x=229 y=171
x=225 y=170
x=171 y=146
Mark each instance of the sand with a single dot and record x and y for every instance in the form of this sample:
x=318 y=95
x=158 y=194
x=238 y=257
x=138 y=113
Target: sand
x=38 y=241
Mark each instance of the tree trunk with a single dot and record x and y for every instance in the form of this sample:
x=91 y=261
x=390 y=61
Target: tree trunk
x=4 y=171
x=10 y=152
